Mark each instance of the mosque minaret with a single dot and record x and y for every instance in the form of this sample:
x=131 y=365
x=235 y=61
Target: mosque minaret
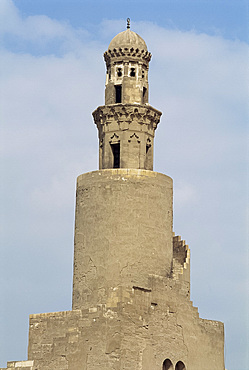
x=131 y=305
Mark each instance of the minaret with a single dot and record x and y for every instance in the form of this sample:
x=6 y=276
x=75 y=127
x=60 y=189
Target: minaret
x=131 y=304
x=123 y=229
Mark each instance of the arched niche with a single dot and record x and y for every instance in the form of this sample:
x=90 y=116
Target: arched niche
x=167 y=365
x=180 y=366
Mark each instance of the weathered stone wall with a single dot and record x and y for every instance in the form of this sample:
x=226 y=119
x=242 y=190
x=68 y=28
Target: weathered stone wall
x=123 y=231
x=138 y=328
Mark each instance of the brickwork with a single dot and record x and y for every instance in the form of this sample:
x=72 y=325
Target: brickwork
x=138 y=328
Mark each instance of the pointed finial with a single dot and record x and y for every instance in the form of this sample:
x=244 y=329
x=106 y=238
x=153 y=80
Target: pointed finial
x=128 y=23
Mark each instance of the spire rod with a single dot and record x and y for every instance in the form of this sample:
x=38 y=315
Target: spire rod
x=128 y=23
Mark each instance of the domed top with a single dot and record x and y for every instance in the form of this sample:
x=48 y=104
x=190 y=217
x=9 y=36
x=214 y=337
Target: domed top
x=128 y=39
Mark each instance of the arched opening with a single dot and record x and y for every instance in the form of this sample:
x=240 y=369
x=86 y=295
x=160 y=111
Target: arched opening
x=167 y=365
x=180 y=366
x=144 y=96
x=133 y=72
x=119 y=72
x=118 y=93
x=148 y=164
x=116 y=155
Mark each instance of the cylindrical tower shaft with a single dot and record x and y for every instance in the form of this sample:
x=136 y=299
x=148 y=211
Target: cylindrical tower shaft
x=123 y=232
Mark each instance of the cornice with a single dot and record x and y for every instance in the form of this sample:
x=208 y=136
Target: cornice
x=143 y=114
x=126 y=53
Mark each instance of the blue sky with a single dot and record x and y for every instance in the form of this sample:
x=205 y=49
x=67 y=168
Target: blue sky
x=53 y=77
x=228 y=18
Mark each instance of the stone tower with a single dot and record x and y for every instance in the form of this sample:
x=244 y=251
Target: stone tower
x=131 y=305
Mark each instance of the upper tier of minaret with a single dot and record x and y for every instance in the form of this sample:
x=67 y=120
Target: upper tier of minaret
x=127 y=64
x=126 y=123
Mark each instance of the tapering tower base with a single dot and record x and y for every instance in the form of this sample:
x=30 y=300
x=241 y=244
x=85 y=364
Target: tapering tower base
x=138 y=327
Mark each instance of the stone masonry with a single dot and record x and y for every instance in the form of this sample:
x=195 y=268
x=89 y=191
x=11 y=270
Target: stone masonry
x=131 y=305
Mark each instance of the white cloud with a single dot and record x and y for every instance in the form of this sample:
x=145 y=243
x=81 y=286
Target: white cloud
x=33 y=27
x=9 y=16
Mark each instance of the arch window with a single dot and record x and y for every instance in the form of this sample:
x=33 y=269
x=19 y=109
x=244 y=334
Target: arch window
x=116 y=155
x=119 y=72
x=118 y=93
x=167 y=365
x=133 y=72
x=144 y=96
x=180 y=366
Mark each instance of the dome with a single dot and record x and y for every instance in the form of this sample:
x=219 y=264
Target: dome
x=128 y=39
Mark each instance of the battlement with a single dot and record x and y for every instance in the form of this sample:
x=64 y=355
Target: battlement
x=181 y=263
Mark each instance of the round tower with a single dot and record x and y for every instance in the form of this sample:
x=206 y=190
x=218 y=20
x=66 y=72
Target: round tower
x=123 y=222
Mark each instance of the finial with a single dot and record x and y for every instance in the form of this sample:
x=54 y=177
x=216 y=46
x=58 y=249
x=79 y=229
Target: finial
x=128 y=23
